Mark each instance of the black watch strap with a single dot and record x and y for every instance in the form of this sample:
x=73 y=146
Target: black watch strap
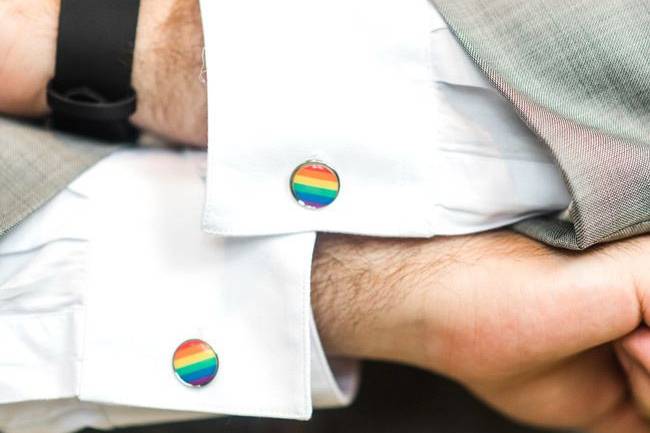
x=91 y=91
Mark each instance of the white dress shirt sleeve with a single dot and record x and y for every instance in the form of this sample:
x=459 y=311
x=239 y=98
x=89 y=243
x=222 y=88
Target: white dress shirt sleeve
x=363 y=86
x=99 y=287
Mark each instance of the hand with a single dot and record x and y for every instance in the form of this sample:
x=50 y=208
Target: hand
x=525 y=327
x=172 y=100
x=634 y=354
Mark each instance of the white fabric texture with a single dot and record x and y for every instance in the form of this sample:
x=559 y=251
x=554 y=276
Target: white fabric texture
x=94 y=300
x=382 y=93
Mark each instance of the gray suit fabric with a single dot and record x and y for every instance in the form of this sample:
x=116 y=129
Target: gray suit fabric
x=35 y=164
x=578 y=74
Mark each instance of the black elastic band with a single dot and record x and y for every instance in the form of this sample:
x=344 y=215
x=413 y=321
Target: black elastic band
x=91 y=91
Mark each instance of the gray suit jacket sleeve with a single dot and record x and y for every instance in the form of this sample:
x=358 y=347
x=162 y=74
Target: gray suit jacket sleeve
x=578 y=73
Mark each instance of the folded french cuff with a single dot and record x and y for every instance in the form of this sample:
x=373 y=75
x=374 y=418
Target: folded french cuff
x=93 y=332
x=246 y=298
x=256 y=321
x=410 y=159
x=286 y=102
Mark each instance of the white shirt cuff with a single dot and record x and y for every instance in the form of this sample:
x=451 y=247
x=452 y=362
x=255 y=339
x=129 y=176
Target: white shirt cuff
x=363 y=87
x=100 y=286
x=334 y=381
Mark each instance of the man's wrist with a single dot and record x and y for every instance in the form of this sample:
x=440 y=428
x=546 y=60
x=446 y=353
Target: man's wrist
x=172 y=100
x=365 y=298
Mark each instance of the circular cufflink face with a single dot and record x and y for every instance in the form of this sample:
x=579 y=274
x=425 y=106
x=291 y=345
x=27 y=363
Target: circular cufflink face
x=315 y=185
x=195 y=363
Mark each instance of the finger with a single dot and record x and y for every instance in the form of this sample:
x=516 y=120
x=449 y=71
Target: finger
x=527 y=305
x=637 y=345
x=604 y=303
x=623 y=419
x=638 y=375
x=583 y=391
x=619 y=277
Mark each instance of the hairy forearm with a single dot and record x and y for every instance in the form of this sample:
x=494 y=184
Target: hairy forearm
x=167 y=71
x=167 y=64
x=367 y=295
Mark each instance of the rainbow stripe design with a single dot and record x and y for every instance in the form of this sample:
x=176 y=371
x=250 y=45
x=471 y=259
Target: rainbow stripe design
x=195 y=363
x=315 y=185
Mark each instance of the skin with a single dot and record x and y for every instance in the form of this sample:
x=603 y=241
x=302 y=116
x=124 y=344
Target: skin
x=172 y=98
x=547 y=337
x=527 y=328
